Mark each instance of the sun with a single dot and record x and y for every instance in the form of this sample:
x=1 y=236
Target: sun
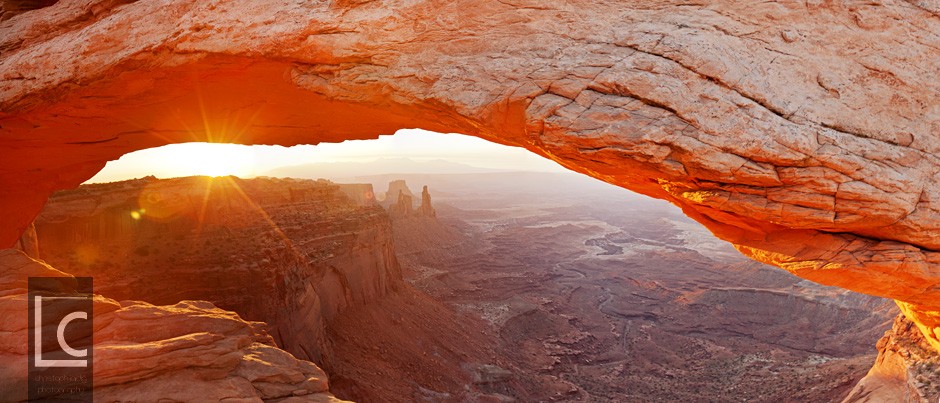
x=211 y=159
x=185 y=159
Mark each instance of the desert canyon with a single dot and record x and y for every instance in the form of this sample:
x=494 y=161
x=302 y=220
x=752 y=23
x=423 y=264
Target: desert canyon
x=805 y=134
x=556 y=290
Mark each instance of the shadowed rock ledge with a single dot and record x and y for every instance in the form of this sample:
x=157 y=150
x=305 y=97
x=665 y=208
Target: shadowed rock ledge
x=906 y=368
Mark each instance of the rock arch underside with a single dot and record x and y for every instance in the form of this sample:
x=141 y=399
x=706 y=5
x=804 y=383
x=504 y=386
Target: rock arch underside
x=805 y=133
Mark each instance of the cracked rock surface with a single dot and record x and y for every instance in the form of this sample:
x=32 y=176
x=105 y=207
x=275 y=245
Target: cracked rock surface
x=806 y=133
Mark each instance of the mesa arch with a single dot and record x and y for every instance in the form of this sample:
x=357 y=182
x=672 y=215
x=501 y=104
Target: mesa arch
x=805 y=133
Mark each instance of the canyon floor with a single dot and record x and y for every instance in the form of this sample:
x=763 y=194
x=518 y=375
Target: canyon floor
x=595 y=294
x=524 y=287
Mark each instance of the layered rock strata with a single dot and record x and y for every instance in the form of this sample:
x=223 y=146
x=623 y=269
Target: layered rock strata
x=403 y=207
x=426 y=209
x=906 y=369
x=292 y=253
x=396 y=189
x=189 y=351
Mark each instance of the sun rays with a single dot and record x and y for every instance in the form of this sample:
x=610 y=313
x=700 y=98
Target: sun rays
x=203 y=203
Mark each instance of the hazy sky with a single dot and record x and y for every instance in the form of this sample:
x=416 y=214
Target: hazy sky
x=246 y=161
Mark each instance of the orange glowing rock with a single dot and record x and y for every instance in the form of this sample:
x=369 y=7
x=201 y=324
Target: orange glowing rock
x=809 y=145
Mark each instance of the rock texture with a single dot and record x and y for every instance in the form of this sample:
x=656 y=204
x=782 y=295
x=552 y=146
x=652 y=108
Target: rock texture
x=293 y=253
x=803 y=132
x=607 y=296
x=28 y=243
x=403 y=206
x=190 y=351
x=395 y=189
x=906 y=369
x=426 y=209
x=10 y=8
x=361 y=193
x=313 y=259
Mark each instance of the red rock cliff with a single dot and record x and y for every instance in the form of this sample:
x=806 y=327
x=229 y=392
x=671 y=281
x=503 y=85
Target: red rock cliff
x=190 y=351
x=292 y=253
x=906 y=369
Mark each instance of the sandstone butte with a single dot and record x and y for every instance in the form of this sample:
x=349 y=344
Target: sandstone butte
x=805 y=133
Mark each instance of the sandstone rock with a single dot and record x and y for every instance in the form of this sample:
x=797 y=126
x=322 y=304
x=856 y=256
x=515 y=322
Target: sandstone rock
x=28 y=242
x=361 y=193
x=403 y=207
x=191 y=351
x=290 y=252
x=815 y=151
x=426 y=209
x=402 y=204
x=395 y=188
x=10 y=8
x=906 y=369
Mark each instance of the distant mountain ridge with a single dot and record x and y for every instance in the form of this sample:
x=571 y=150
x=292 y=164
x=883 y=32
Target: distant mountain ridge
x=456 y=182
x=379 y=166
